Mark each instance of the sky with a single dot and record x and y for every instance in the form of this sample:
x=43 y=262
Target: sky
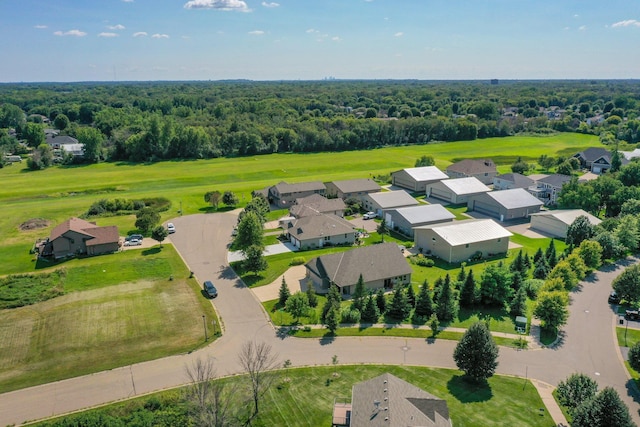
x=131 y=40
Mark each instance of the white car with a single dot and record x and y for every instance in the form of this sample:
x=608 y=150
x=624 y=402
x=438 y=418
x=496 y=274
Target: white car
x=171 y=228
x=369 y=215
x=133 y=242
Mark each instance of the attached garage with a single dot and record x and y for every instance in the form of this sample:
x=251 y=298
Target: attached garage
x=556 y=223
x=505 y=205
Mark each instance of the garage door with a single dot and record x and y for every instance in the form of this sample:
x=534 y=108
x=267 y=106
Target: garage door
x=441 y=194
x=485 y=208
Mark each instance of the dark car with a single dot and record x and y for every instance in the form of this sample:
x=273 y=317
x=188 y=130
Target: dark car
x=613 y=298
x=632 y=314
x=210 y=290
x=133 y=237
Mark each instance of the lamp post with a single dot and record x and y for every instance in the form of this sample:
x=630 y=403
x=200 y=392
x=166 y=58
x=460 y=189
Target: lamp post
x=204 y=323
x=213 y=322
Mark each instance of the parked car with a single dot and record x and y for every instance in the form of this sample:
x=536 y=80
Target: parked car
x=133 y=242
x=235 y=231
x=133 y=237
x=632 y=314
x=210 y=290
x=613 y=298
x=369 y=215
x=171 y=228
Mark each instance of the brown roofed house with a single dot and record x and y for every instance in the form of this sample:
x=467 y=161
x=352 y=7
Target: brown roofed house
x=356 y=188
x=284 y=195
x=76 y=236
x=317 y=231
x=317 y=204
x=484 y=170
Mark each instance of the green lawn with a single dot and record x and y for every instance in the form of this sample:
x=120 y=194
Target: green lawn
x=627 y=337
x=307 y=398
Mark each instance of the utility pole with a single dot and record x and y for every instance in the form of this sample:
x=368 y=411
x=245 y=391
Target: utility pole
x=204 y=323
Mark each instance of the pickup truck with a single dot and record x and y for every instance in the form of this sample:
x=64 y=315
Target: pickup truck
x=632 y=314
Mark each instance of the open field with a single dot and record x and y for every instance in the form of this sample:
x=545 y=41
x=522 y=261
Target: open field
x=307 y=398
x=110 y=309
x=60 y=192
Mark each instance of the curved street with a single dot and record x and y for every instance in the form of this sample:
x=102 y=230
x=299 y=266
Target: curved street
x=588 y=343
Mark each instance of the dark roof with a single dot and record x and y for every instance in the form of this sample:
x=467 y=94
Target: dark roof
x=103 y=235
x=284 y=188
x=594 y=153
x=357 y=185
x=555 y=180
x=472 y=167
x=97 y=235
x=60 y=139
x=374 y=262
x=518 y=180
x=315 y=204
x=390 y=401
x=316 y=226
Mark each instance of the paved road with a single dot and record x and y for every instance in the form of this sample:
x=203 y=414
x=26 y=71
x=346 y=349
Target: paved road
x=588 y=345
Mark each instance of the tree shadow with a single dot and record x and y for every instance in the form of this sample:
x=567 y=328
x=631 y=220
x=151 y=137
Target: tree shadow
x=328 y=338
x=151 y=251
x=468 y=391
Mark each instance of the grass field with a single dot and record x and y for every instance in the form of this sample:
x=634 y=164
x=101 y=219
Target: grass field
x=118 y=309
x=306 y=400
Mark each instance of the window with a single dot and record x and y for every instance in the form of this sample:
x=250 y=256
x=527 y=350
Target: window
x=433 y=238
x=499 y=240
x=466 y=246
x=327 y=238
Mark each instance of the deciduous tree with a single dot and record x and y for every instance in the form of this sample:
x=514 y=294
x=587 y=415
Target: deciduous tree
x=627 y=284
x=159 y=233
x=250 y=232
x=477 y=353
x=575 y=390
x=254 y=259
x=298 y=305
x=213 y=197
x=551 y=309
x=229 y=198
x=258 y=361
x=604 y=410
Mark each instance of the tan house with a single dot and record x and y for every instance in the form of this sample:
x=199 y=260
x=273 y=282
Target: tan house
x=456 y=190
x=484 y=170
x=356 y=188
x=317 y=204
x=416 y=179
x=317 y=231
x=460 y=240
x=76 y=236
x=381 y=266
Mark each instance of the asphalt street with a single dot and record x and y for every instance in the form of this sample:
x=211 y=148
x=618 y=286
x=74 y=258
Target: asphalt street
x=587 y=345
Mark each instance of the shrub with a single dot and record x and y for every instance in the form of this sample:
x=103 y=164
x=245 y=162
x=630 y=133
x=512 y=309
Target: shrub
x=297 y=261
x=350 y=315
x=422 y=261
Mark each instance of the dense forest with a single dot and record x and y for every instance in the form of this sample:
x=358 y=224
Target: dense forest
x=162 y=120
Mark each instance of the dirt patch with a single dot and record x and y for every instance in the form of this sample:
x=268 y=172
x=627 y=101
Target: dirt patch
x=34 y=224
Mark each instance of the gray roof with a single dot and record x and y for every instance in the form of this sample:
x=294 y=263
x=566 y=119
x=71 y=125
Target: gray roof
x=593 y=153
x=426 y=173
x=515 y=198
x=389 y=401
x=357 y=185
x=315 y=204
x=374 y=262
x=60 y=139
x=555 y=180
x=567 y=216
x=469 y=185
x=469 y=231
x=425 y=213
x=284 y=188
x=317 y=226
x=392 y=199
x=518 y=180
x=472 y=166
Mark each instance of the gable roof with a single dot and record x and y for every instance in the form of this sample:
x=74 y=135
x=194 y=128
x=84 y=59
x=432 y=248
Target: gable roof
x=389 y=401
x=518 y=180
x=60 y=139
x=468 y=185
x=468 y=231
x=317 y=226
x=426 y=173
x=392 y=199
x=97 y=235
x=284 y=188
x=593 y=153
x=424 y=213
x=472 y=166
x=555 y=180
x=374 y=262
x=357 y=185
x=567 y=216
x=315 y=204
x=514 y=198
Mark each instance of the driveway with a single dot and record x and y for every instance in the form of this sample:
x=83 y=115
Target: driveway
x=588 y=341
x=278 y=248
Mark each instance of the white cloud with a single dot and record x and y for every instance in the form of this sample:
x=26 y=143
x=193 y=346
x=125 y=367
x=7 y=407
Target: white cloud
x=582 y=27
x=107 y=35
x=40 y=27
x=140 y=34
x=272 y=4
x=336 y=39
x=576 y=16
x=238 y=5
x=398 y=34
x=75 y=33
x=115 y=27
x=626 y=23
x=128 y=1
x=311 y=31
x=256 y=32
x=160 y=36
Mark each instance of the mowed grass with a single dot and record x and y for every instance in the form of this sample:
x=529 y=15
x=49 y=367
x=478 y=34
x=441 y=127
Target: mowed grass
x=61 y=192
x=307 y=398
x=105 y=321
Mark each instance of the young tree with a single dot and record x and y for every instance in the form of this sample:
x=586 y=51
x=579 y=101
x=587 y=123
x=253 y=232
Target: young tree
x=229 y=198
x=538 y=255
x=577 y=389
x=520 y=166
x=382 y=229
x=298 y=305
x=381 y=301
x=254 y=260
x=249 y=232
x=213 y=197
x=477 y=353
x=469 y=292
x=146 y=219
x=425 y=161
x=518 y=305
x=551 y=255
x=258 y=361
x=399 y=308
x=411 y=296
x=41 y=158
x=370 y=313
x=283 y=294
x=159 y=233
x=311 y=295
x=434 y=324
x=604 y=410
x=424 y=302
x=462 y=276
x=579 y=230
x=564 y=271
x=541 y=269
x=634 y=356
x=446 y=303
x=333 y=302
x=357 y=299
x=591 y=253
x=332 y=320
x=495 y=286
x=627 y=284
x=551 y=309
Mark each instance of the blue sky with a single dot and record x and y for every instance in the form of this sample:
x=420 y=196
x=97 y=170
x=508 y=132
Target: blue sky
x=96 y=40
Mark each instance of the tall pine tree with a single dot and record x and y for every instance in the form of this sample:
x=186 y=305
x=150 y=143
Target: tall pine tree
x=358 y=295
x=551 y=255
x=447 y=306
x=469 y=292
x=399 y=308
x=370 y=312
x=283 y=294
x=424 y=302
x=381 y=301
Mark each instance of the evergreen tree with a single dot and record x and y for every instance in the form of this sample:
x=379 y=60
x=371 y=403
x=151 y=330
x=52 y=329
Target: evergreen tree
x=447 y=306
x=578 y=388
x=332 y=319
x=311 y=295
x=333 y=302
x=424 y=303
x=469 y=292
x=357 y=300
x=527 y=261
x=370 y=314
x=539 y=254
x=399 y=308
x=381 y=301
x=518 y=263
x=437 y=285
x=462 y=275
x=477 y=353
x=283 y=294
x=551 y=255
x=516 y=280
x=411 y=296
x=604 y=410
x=541 y=269
x=518 y=304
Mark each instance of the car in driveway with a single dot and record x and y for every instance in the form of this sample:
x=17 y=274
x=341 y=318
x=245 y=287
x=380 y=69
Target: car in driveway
x=369 y=215
x=210 y=289
x=613 y=298
x=171 y=228
x=632 y=314
x=133 y=237
x=133 y=242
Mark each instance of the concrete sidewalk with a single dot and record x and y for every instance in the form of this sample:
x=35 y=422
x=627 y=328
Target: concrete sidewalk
x=278 y=248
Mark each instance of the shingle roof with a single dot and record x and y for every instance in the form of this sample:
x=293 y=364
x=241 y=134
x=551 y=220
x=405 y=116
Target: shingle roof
x=515 y=198
x=425 y=213
x=391 y=199
x=99 y=235
x=555 y=180
x=426 y=173
x=311 y=227
x=108 y=234
x=388 y=401
x=567 y=216
x=594 y=153
x=284 y=188
x=60 y=139
x=374 y=262
x=472 y=167
x=469 y=185
x=469 y=231
x=315 y=204
x=518 y=180
x=356 y=185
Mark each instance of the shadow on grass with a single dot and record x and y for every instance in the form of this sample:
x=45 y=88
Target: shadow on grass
x=468 y=391
x=220 y=209
x=151 y=251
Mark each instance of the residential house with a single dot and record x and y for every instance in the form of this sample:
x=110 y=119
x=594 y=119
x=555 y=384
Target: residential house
x=317 y=231
x=511 y=180
x=317 y=204
x=381 y=266
x=76 y=236
x=56 y=141
x=404 y=220
x=548 y=187
x=284 y=195
x=352 y=188
x=556 y=223
x=456 y=190
x=484 y=170
x=597 y=159
x=388 y=401
x=461 y=240
x=383 y=201
x=505 y=205
x=416 y=179
x=630 y=155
